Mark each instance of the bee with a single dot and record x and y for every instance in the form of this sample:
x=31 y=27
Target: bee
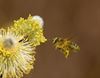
x=65 y=45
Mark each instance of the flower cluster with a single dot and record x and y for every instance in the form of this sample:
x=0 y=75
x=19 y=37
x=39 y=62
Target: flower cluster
x=18 y=44
x=32 y=28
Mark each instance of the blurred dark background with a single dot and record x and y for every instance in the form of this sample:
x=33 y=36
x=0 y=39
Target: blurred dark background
x=79 y=19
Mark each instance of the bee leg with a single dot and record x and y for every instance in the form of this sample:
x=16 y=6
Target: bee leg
x=66 y=53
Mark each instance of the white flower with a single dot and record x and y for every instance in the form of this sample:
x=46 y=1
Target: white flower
x=16 y=55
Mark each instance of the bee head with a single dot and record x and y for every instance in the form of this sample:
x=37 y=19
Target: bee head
x=55 y=40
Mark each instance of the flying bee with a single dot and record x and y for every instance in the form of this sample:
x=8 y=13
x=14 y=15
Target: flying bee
x=65 y=45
